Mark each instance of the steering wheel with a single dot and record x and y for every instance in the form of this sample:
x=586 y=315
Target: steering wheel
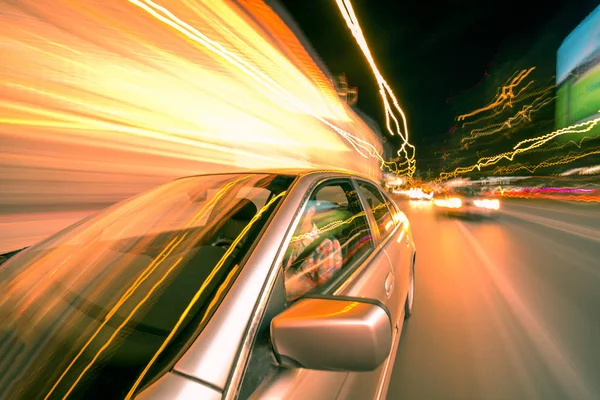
x=223 y=242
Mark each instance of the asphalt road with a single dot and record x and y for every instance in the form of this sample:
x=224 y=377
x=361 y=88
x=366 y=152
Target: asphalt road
x=506 y=308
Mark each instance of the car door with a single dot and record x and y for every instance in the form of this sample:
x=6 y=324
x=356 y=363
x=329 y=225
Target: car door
x=393 y=240
x=363 y=272
x=400 y=250
x=380 y=282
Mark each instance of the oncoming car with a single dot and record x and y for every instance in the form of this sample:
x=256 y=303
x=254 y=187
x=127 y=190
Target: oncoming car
x=466 y=201
x=278 y=284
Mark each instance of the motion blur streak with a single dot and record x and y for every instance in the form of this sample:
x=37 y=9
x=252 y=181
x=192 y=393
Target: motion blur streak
x=521 y=116
x=101 y=100
x=548 y=163
x=506 y=94
x=347 y=11
x=559 y=364
x=254 y=73
x=537 y=142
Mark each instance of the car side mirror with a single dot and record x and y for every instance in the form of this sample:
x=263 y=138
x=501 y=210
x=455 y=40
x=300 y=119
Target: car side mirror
x=333 y=334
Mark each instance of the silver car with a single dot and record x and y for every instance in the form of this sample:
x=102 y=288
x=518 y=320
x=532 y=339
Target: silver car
x=278 y=285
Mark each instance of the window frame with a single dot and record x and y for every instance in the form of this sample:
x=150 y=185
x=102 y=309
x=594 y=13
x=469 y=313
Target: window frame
x=382 y=238
x=331 y=287
x=395 y=206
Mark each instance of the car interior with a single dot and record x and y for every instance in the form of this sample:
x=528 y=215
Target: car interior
x=140 y=337
x=335 y=221
x=240 y=216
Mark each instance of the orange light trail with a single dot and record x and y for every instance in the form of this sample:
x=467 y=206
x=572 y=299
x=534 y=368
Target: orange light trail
x=521 y=117
x=506 y=94
x=364 y=148
x=581 y=198
x=517 y=100
x=406 y=149
x=558 y=160
x=102 y=100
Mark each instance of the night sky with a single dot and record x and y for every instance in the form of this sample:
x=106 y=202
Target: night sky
x=434 y=54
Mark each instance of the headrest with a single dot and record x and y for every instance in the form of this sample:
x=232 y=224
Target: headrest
x=322 y=205
x=244 y=210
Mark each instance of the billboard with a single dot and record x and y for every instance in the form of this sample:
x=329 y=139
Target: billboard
x=578 y=75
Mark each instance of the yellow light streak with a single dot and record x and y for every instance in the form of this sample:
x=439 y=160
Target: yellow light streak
x=385 y=90
x=518 y=149
x=122 y=325
x=364 y=148
x=169 y=248
x=334 y=225
x=539 y=93
x=101 y=100
x=559 y=160
x=506 y=94
x=521 y=117
x=194 y=299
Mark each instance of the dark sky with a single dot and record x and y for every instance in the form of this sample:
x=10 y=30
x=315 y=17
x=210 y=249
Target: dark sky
x=431 y=52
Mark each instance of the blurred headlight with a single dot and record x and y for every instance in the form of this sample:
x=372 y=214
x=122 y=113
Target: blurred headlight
x=489 y=204
x=454 y=202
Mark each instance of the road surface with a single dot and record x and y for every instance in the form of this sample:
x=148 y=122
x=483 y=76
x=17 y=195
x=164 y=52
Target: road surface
x=505 y=309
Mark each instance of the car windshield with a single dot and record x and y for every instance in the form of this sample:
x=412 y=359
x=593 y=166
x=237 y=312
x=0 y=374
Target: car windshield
x=464 y=191
x=106 y=305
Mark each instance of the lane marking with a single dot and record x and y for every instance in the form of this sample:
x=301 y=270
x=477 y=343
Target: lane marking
x=586 y=233
x=575 y=259
x=559 y=364
x=560 y=210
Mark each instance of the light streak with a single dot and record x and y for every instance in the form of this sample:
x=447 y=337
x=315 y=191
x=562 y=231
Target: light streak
x=558 y=160
x=101 y=100
x=491 y=204
x=166 y=16
x=333 y=225
x=385 y=90
x=418 y=193
x=583 y=171
x=197 y=295
x=123 y=324
x=454 y=202
x=329 y=227
x=505 y=96
x=584 y=199
x=522 y=116
x=519 y=149
x=566 y=194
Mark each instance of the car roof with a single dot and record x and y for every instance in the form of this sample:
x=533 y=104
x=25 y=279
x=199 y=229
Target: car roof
x=284 y=171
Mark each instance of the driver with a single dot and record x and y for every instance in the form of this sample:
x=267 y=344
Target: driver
x=318 y=267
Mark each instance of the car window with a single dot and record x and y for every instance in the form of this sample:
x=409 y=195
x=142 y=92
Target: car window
x=465 y=191
x=333 y=234
x=116 y=297
x=334 y=194
x=378 y=206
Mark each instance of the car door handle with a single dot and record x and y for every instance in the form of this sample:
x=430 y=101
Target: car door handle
x=389 y=284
